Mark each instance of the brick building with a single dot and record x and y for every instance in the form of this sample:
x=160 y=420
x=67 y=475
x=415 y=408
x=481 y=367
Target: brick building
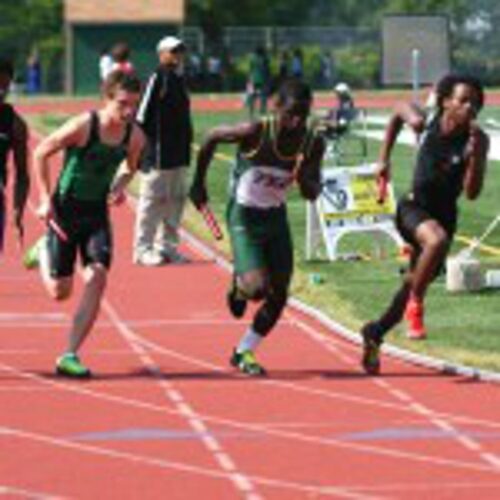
x=93 y=25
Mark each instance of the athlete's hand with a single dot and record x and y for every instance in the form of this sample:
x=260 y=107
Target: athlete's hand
x=476 y=142
x=116 y=198
x=19 y=227
x=198 y=195
x=382 y=177
x=45 y=210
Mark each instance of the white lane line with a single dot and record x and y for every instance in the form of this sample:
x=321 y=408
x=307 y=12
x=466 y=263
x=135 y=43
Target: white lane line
x=14 y=491
x=403 y=396
x=179 y=466
x=313 y=439
x=226 y=463
x=249 y=427
x=400 y=395
x=147 y=323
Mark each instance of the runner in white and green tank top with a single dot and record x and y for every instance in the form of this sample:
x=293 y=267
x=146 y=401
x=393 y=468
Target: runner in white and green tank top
x=271 y=155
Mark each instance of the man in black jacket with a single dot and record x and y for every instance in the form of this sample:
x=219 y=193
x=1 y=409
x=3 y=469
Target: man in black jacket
x=164 y=114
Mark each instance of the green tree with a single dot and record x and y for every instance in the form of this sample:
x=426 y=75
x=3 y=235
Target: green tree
x=33 y=25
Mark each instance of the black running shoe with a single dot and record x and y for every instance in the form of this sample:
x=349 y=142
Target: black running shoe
x=371 y=349
x=246 y=363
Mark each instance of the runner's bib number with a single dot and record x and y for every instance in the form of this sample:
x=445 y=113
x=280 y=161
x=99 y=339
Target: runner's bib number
x=263 y=187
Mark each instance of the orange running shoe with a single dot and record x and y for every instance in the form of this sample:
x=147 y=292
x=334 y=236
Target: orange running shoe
x=414 y=316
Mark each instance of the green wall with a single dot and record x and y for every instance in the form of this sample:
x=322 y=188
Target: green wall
x=89 y=40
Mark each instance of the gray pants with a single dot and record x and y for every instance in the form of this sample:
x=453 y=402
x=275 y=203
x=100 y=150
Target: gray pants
x=162 y=197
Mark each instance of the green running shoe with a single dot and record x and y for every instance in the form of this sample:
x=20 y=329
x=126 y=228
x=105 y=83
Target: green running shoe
x=31 y=258
x=371 y=350
x=69 y=365
x=245 y=362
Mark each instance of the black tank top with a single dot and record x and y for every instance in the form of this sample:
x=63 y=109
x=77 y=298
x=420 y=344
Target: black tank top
x=439 y=171
x=6 y=127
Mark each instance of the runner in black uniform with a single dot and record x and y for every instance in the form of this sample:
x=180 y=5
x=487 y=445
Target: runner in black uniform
x=451 y=157
x=271 y=154
x=13 y=137
x=95 y=144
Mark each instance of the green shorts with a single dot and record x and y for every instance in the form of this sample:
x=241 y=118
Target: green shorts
x=260 y=239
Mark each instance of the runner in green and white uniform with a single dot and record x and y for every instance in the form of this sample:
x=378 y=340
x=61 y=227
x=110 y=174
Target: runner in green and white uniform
x=271 y=155
x=95 y=144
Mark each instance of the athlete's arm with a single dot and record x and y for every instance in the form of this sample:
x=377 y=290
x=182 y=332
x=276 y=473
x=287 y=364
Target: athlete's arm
x=22 y=181
x=244 y=134
x=72 y=133
x=308 y=173
x=476 y=159
x=405 y=113
x=129 y=166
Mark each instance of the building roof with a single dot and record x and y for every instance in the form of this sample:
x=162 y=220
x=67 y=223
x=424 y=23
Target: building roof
x=128 y=11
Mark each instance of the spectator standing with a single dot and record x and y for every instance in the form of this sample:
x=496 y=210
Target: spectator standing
x=258 y=81
x=164 y=114
x=105 y=64
x=121 y=58
x=33 y=75
x=297 y=64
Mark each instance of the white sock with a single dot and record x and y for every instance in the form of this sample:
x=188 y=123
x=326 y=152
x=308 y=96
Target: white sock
x=249 y=341
x=43 y=258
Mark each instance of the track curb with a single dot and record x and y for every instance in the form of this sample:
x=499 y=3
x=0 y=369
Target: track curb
x=440 y=365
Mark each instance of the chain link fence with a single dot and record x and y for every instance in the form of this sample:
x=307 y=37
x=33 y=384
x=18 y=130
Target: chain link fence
x=221 y=63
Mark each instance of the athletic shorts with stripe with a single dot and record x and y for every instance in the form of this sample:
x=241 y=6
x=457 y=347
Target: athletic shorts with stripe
x=260 y=239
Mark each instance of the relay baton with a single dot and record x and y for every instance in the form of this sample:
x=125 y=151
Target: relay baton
x=382 y=183
x=211 y=222
x=58 y=230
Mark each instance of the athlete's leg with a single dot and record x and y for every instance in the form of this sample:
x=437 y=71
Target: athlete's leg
x=95 y=278
x=434 y=242
x=96 y=252
x=270 y=285
x=274 y=302
x=56 y=263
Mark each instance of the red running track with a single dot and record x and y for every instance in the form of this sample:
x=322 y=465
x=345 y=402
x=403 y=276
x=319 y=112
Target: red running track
x=165 y=416
x=228 y=103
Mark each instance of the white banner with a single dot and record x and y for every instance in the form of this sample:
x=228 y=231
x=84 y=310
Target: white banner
x=348 y=204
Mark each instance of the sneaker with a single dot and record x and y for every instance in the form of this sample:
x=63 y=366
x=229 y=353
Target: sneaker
x=176 y=257
x=31 y=258
x=236 y=304
x=245 y=362
x=69 y=365
x=371 y=349
x=149 y=258
x=414 y=315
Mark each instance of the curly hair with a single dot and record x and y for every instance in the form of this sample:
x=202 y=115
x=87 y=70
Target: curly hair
x=294 y=90
x=446 y=85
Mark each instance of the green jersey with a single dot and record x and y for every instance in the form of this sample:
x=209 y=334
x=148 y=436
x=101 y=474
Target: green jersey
x=89 y=170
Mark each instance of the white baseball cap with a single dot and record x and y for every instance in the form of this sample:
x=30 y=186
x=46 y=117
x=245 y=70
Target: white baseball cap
x=169 y=43
x=342 y=88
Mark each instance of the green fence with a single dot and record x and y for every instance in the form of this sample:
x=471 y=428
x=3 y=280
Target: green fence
x=90 y=40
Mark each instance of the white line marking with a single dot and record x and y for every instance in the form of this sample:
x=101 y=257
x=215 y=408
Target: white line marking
x=249 y=427
x=432 y=416
x=194 y=419
x=179 y=466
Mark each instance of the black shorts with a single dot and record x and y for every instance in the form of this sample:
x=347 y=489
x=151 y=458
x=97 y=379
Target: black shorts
x=409 y=215
x=89 y=235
